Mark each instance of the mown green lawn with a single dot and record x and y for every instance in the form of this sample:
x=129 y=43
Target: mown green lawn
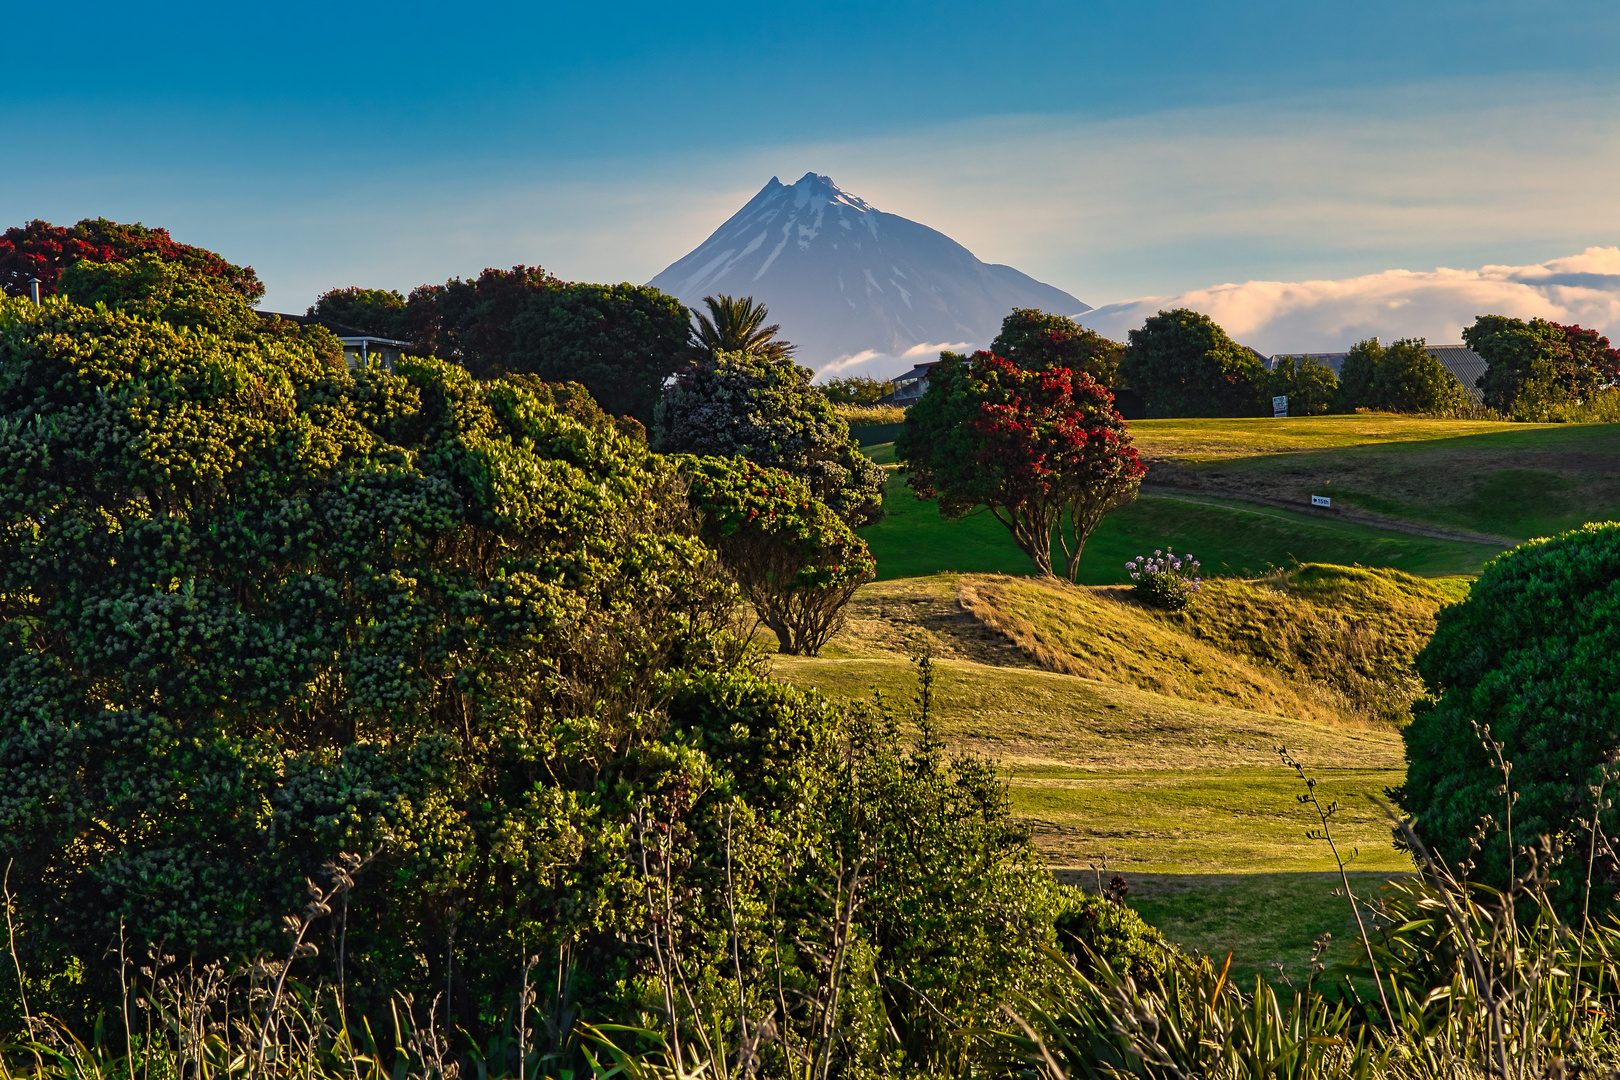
x=1228 y=537
x=1242 y=820
x=1263 y=920
x=1511 y=480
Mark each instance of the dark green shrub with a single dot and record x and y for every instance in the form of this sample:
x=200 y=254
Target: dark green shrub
x=765 y=409
x=1093 y=927
x=1183 y=364
x=256 y=609
x=1403 y=378
x=795 y=561
x=1534 y=656
x=1165 y=580
x=1309 y=385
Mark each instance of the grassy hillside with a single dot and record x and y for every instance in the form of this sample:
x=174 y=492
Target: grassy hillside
x=1509 y=480
x=1229 y=537
x=1326 y=642
x=1185 y=796
x=1115 y=766
x=1148 y=782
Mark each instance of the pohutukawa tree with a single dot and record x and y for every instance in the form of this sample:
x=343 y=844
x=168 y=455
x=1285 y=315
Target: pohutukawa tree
x=1045 y=452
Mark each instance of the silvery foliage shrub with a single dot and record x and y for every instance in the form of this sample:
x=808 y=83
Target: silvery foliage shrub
x=1165 y=579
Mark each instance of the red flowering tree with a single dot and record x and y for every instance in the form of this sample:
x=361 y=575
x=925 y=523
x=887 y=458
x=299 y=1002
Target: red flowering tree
x=794 y=559
x=40 y=249
x=1044 y=451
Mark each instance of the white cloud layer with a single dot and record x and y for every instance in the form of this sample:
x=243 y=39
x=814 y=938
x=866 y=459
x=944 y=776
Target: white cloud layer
x=880 y=365
x=1329 y=316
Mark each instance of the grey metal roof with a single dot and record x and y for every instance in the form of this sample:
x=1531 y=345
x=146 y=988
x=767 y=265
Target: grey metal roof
x=1466 y=364
x=1460 y=360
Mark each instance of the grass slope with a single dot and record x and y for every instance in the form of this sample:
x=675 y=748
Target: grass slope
x=1149 y=783
x=1322 y=642
x=1509 y=480
x=1229 y=537
x=1187 y=798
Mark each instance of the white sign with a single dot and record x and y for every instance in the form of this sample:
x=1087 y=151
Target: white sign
x=1279 y=405
x=1321 y=500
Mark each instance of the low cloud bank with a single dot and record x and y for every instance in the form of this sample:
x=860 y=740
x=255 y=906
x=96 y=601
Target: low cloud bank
x=1330 y=316
x=882 y=365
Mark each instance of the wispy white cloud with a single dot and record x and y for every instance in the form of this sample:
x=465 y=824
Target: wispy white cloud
x=1456 y=172
x=1327 y=316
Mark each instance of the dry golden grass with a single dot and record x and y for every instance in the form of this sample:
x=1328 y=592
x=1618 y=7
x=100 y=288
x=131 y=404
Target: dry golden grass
x=1036 y=719
x=1107 y=764
x=1328 y=643
x=1095 y=635
x=865 y=415
x=1197 y=441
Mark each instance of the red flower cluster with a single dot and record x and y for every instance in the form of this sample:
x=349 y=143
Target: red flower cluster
x=1049 y=432
x=40 y=249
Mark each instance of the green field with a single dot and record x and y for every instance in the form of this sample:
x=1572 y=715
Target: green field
x=1228 y=536
x=1215 y=487
x=1266 y=922
x=1509 y=480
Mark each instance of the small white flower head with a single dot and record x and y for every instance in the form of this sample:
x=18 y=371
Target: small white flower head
x=1156 y=551
x=1136 y=577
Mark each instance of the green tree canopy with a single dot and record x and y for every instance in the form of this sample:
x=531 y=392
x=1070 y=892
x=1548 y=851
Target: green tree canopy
x=1034 y=339
x=376 y=311
x=796 y=562
x=1535 y=367
x=1530 y=661
x=736 y=324
x=1184 y=365
x=1403 y=378
x=1310 y=385
x=856 y=390
x=620 y=341
x=472 y=321
x=172 y=291
x=256 y=608
x=768 y=412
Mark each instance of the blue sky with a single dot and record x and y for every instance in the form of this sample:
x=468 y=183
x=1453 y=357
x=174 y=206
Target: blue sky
x=1114 y=149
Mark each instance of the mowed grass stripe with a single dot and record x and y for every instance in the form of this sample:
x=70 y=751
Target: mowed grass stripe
x=1245 y=820
x=1200 y=440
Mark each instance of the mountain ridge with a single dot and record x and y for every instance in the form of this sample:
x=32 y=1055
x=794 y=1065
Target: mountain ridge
x=851 y=285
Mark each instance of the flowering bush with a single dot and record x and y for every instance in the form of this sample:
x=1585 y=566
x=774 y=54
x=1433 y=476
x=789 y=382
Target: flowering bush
x=1165 y=579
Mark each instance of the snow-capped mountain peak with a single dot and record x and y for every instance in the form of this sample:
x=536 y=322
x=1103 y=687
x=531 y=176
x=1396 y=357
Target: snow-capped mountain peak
x=846 y=279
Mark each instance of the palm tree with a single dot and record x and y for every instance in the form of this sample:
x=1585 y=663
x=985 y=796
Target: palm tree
x=736 y=324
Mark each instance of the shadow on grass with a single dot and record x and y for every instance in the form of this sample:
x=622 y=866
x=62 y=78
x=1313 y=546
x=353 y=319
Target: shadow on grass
x=1262 y=919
